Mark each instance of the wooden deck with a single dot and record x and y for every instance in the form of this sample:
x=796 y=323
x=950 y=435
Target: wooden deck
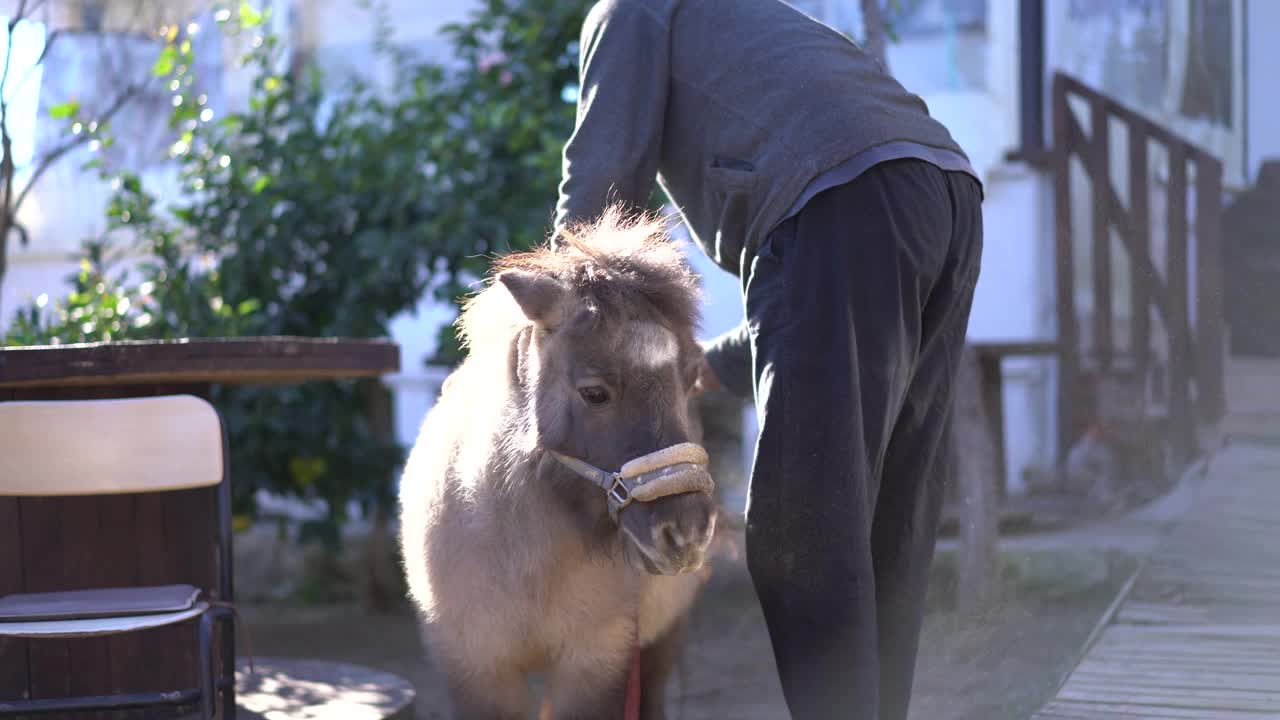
x=1197 y=635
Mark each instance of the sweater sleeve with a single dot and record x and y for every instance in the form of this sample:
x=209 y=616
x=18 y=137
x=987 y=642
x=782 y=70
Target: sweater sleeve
x=612 y=155
x=729 y=355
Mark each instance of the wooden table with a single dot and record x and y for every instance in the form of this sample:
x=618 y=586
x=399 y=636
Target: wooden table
x=240 y=361
x=50 y=544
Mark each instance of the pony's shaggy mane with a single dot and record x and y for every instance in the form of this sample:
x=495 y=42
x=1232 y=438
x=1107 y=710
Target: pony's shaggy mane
x=619 y=262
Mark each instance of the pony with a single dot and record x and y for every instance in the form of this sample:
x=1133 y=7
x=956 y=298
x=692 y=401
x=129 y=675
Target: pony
x=556 y=508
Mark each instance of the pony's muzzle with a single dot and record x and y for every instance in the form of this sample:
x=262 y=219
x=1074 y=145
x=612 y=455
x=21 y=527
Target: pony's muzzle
x=683 y=548
x=681 y=531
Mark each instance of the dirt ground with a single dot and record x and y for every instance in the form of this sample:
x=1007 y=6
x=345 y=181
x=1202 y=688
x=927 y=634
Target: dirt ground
x=1001 y=666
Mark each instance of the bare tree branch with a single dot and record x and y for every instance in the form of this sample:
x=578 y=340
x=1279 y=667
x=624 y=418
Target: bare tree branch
x=7 y=170
x=24 y=236
x=7 y=165
x=43 y=164
x=873 y=31
x=8 y=56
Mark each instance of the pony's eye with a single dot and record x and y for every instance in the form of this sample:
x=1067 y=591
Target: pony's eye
x=594 y=395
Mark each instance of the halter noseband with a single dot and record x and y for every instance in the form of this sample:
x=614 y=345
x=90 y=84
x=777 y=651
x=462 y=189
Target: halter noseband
x=670 y=471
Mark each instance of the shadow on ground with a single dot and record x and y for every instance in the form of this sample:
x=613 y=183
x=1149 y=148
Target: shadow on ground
x=1002 y=665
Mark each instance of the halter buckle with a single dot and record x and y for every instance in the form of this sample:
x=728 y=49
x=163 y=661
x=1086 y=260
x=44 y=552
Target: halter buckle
x=642 y=473
x=619 y=493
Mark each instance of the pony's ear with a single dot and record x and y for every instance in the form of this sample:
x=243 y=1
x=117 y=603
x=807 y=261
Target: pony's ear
x=540 y=298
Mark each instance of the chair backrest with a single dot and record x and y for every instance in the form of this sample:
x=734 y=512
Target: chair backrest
x=102 y=447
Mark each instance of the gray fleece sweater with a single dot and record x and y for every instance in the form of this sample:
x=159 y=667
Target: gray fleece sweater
x=740 y=110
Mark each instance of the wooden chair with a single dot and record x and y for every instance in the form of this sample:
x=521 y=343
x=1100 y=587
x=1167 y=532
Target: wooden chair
x=103 y=447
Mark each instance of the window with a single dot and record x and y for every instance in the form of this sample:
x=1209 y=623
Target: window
x=1180 y=62
x=940 y=45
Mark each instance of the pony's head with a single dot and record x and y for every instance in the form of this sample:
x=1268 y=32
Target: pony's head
x=602 y=364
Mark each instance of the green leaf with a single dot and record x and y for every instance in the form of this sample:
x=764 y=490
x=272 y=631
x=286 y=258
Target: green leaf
x=165 y=63
x=65 y=110
x=249 y=17
x=305 y=470
x=261 y=184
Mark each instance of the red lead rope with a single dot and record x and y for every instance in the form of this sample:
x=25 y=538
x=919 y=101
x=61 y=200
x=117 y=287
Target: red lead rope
x=632 y=711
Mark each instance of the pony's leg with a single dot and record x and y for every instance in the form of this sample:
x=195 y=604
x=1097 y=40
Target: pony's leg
x=656 y=663
x=498 y=695
x=588 y=689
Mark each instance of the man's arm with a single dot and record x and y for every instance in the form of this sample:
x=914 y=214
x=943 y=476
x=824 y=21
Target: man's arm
x=729 y=357
x=612 y=156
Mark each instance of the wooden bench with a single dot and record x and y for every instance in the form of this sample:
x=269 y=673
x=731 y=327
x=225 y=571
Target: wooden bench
x=990 y=357
x=979 y=449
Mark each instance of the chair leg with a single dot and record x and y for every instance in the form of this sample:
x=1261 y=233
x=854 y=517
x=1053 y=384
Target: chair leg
x=229 y=665
x=207 y=697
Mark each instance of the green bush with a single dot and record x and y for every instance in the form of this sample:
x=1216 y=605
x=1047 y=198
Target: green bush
x=498 y=153
x=327 y=211
x=286 y=225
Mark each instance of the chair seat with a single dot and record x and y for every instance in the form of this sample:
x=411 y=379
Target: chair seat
x=165 y=457
x=101 y=611
x=86 y=627
x=97 y=603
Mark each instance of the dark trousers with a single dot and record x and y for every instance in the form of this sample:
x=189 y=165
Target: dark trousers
x=857 y=309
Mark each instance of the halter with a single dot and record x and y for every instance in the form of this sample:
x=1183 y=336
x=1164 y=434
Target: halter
x=670 y=471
